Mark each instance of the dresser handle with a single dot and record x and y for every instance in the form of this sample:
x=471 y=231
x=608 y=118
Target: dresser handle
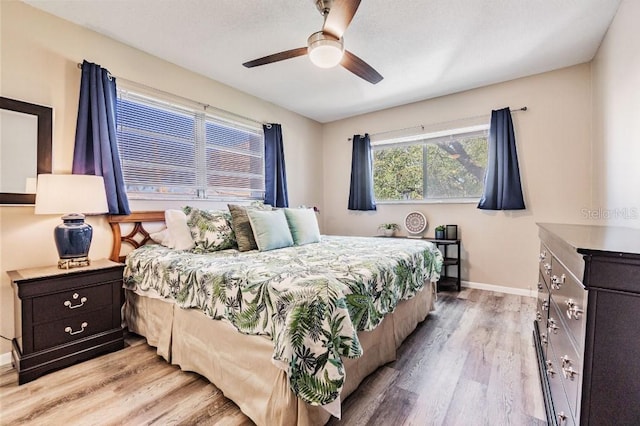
x=67 y=303
x=553 y=328
x=538 y=316
x=543 y=338
x=539 y=286
x=542 y=256
x=550 y=370
x=71 y=332
x=545 y=305
x=562 y=418
x=556 y=282
x=572 y=310
x=569 y=372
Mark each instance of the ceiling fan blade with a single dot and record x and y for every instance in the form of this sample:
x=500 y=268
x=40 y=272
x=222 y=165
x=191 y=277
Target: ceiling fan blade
x=360 y=68
x=281 y=56
x=340 y=17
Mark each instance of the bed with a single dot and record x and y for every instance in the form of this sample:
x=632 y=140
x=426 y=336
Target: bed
x=286 y=334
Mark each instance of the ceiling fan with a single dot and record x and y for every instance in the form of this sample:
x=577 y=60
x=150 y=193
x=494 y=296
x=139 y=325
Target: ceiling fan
x=326 y=48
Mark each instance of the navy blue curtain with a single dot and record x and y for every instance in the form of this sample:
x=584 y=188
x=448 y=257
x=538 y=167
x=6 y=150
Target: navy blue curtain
x=275 y=175
x=361 y=190
x=502 y=187
x=96 y=148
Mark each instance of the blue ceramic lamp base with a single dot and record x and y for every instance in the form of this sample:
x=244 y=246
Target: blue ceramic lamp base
x=73 y=240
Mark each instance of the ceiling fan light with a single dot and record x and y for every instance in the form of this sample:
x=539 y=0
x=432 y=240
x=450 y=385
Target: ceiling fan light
x=325 y=51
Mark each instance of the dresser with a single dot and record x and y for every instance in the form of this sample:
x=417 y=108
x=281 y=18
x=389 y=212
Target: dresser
x=63 y=316
x=587 y=325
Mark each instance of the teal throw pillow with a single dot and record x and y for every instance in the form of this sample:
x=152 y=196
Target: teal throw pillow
x=270 y=229
x=303 y=225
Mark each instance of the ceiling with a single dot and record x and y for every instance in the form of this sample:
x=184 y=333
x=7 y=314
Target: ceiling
x=423 y=48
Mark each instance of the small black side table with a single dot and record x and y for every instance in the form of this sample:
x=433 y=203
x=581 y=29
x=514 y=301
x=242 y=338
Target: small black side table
x=449 y=262
x=64 y=316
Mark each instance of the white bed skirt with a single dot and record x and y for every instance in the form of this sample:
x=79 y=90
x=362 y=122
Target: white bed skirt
x=240 y=365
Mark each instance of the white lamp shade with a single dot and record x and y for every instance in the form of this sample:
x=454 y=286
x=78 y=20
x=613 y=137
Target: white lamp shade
x=62 y=194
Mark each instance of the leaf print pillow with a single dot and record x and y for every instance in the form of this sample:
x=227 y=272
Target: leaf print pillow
x=211 y=229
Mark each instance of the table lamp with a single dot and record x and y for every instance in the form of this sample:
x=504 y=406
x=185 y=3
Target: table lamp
x=71 y=195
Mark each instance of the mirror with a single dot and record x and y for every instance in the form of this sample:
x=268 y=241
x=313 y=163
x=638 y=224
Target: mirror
x=25 y=149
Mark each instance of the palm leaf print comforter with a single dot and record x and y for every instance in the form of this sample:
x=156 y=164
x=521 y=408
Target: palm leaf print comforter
x=310 y=300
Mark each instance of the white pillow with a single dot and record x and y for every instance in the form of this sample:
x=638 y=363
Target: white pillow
x=162 y=237
x=179 y=233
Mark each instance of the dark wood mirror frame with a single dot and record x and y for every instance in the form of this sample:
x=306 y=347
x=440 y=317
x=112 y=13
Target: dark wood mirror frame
x=45 y=125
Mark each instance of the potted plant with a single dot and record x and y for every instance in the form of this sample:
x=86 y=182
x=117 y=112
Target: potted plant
x=388 y=228
x=440 y=232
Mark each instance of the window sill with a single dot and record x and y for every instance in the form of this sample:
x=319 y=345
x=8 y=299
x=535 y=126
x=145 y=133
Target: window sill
x=443 y=201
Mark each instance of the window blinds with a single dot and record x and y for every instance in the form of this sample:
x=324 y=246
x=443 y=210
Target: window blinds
x=175 y=151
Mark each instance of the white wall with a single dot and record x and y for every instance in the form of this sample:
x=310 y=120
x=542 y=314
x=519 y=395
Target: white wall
x=554 y=149
x=616 y=121
x=39 y=56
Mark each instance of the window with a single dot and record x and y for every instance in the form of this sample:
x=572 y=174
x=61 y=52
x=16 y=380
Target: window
x=174 y=151
x=442 y=166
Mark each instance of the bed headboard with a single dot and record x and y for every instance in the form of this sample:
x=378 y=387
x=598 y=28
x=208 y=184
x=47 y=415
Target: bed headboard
x=137 y=237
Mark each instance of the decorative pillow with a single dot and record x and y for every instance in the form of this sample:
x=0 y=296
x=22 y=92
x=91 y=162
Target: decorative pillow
x=242 y=226
x=303 y=225
x=179 y=233
x=211 y=229
x=162 y=237
x=270 y=229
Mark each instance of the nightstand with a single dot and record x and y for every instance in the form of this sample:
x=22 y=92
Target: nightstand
x=63 y=316
x=449 y=262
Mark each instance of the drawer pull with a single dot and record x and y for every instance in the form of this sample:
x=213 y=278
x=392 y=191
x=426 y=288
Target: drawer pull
x=68 y=304
x=543 y=255
x=550 y=370
x=562 y=418
x=569 y=372
x=556 y=282
x=573 y=311
x=538 y=316
x=539 y=286
x=553 y=327
x=71 y=332
x=547 y=268
x=543 y=338
x=545 y=305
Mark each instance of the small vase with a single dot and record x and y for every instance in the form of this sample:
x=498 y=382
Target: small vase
x=439 y=235
x=388 y=232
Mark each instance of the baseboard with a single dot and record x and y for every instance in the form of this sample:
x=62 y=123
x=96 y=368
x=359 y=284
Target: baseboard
x=500 y=289
x=5 y=358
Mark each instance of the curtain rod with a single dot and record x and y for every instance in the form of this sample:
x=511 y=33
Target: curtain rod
x=205 y=106
x=421 y=126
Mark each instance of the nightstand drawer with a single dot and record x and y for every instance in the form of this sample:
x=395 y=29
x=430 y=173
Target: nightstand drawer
x=71 y=303
x=69 y=329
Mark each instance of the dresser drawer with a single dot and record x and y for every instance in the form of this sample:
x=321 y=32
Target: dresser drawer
x=70 y=303
x=570 y=297
x=561 y=408
x=544 y=260
x=66 y=330
x=542 y=313
x=568 y=363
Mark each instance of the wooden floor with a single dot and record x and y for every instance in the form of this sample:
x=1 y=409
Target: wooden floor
x=472 y=362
